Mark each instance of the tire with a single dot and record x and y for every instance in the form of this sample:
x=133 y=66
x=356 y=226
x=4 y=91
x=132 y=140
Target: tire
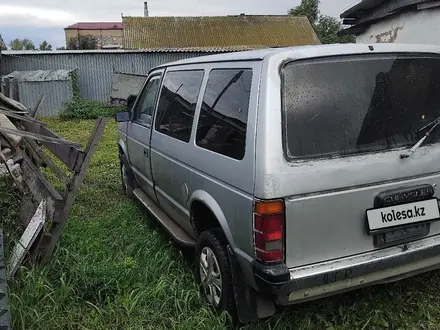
x=126 y=182
x=212 y=260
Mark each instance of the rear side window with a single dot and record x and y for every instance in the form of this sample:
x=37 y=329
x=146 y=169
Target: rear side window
x=223 y=117
x=357 y=104
x=177 y=103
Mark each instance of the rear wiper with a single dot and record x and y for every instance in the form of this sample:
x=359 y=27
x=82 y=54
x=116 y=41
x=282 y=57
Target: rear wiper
x=433 y=126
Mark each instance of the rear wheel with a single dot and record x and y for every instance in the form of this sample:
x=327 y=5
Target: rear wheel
x=214 y=271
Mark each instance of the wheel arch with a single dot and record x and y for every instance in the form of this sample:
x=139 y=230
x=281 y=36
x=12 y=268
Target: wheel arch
x=123 y=148
x=203 y=198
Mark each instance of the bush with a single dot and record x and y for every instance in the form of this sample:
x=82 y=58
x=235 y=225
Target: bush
x=85 y=109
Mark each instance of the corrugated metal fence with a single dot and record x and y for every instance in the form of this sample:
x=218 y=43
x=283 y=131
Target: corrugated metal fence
x=95 y=68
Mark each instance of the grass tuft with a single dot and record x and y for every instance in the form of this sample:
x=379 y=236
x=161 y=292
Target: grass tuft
x=80 y=108
x=9 y=213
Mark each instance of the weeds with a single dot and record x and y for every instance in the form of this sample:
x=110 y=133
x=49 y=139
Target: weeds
x=112 y=270
x=9 y=213
x=80 y=108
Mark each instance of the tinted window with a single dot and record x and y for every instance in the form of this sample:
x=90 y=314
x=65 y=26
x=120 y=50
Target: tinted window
x=147 y=101
x=358 y=104
x=223 y=117
x=177 y=103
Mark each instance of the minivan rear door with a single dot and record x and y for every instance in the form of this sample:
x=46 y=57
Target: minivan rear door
x=347 y=121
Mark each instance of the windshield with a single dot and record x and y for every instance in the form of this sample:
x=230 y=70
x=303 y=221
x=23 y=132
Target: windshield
x=354 y=104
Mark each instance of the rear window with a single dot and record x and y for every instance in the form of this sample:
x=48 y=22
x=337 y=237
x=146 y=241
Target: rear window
x=355 y=104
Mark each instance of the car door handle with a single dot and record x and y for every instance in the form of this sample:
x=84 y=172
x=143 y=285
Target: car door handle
x=146 y=153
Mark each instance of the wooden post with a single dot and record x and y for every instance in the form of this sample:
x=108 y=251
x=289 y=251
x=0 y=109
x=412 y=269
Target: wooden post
x=37 y=106
x=78 y=179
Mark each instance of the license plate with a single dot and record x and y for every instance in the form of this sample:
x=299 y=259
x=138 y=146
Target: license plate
x=403 y=214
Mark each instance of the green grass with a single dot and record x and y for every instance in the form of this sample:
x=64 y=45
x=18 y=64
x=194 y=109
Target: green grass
x=114 y=269
x=80 y=108
x=9 y=214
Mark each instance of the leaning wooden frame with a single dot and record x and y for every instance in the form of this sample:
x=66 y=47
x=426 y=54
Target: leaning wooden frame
x=36 y=139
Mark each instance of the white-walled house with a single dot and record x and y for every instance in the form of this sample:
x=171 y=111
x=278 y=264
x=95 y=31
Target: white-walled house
x=394 y=21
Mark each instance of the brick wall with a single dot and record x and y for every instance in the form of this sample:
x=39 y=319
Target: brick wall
x=104 y=37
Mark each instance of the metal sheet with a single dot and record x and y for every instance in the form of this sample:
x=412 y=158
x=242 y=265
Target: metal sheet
x=95 y=70
x=58 y=93
x=136 y=51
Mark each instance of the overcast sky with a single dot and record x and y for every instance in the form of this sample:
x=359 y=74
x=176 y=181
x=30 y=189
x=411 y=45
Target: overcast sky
x=45 y=19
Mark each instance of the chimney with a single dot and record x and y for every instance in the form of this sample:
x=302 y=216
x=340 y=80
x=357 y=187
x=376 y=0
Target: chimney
x=145 y=9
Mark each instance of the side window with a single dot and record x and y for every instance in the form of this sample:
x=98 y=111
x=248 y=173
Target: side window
x=177 y=103
x=223 y=118
x=147 y=101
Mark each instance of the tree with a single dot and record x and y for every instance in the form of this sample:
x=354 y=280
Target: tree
x=21 y=44
x=308 y=8
x=45 y=46
x=326 y=27
x=61 y=48
x=2 y=44
x=82 y=42
x=327 y=30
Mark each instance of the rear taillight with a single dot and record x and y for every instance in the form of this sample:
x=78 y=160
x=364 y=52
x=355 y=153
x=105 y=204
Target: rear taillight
x=269 y=231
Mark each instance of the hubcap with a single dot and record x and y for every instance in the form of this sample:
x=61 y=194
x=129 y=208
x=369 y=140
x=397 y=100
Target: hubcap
x=210 y=276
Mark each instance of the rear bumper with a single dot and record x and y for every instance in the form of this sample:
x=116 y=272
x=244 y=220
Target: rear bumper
x=291 y=286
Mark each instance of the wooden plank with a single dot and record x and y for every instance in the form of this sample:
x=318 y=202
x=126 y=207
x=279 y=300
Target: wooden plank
x=41 y=189
x=37 y=106
x=38 y=137
x=32 y=153
x=12 y=103
x=47 y=160
x=72 y=157
x=27 y=239
x=13 y=114
x=57 y=228
x=14 y=111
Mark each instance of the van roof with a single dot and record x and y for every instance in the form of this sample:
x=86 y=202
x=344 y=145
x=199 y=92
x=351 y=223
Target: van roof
x=302 y=52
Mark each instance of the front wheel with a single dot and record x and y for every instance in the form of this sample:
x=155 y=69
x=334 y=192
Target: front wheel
x=126 y=184
x=214 y=271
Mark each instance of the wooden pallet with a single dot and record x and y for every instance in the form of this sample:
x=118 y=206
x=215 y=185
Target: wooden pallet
x=37 y=140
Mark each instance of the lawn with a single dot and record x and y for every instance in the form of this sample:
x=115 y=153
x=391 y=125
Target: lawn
x=115 y=269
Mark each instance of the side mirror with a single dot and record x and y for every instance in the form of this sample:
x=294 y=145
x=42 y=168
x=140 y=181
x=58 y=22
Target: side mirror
x=130 y=101
x=122 y=116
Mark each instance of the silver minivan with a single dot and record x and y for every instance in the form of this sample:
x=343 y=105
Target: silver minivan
x=296 y=173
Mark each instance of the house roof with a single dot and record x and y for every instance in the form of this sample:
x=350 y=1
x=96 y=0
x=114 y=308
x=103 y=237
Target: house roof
x=217 y=31
x=131 y=51
x=364 y=13
x=95 y=26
